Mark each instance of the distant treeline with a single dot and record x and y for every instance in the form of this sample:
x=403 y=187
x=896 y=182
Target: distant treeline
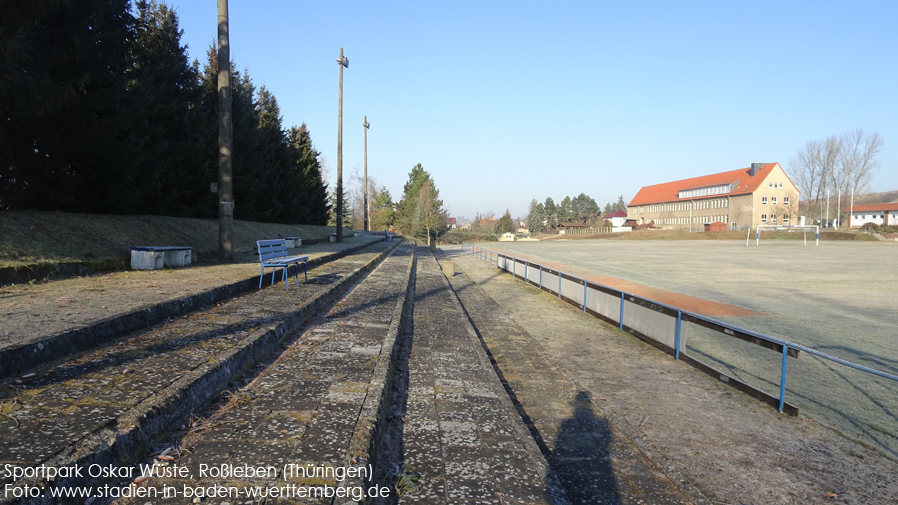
x=104 y=114
x=581 y=209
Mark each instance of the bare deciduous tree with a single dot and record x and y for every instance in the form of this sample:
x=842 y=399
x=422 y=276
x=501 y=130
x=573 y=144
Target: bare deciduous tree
x=858 y=159
x=356 y=197
x=429 y=211
x=814 y=166
x=839 y=163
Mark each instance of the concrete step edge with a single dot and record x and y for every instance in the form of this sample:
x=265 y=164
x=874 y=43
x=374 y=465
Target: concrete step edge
x=132 y=433
x=17 y=360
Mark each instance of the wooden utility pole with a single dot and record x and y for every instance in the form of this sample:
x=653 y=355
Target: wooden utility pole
x=344 y=62
x=366 y=125
x=225 y=141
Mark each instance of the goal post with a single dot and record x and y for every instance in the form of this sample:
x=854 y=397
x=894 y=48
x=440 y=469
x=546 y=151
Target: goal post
x=788 y=228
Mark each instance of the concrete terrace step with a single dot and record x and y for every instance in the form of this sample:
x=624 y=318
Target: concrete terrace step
x=108 y=405
x=461 y=432
x=316 y=403
x=23 y=354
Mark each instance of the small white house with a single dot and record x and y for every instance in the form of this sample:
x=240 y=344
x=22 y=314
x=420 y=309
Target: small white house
x=618 y=218
x=883 y=214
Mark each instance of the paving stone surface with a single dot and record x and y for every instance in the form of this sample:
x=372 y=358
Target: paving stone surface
x=303 y=407
x=593 y=460
x=461 y=432
x=62 y=405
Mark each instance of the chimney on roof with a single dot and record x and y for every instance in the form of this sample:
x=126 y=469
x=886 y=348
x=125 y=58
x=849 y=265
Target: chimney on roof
x=754 y=168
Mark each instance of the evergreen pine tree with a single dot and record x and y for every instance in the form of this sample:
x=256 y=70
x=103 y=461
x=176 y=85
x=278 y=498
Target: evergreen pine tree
x=551 y=213
x=420 y=211
x=506 y=224
x=384 y=212
x=163 y=93
x=313 y=196
x=535 y=217
x=621 y=204
x=564 y=210
x=63 y=84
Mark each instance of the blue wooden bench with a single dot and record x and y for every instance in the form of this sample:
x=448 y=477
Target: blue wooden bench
x=273 y=253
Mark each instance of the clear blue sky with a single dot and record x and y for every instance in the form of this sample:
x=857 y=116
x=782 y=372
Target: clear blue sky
x=506 y=101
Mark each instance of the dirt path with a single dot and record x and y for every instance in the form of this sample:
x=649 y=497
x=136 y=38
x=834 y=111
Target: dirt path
x=733 y=448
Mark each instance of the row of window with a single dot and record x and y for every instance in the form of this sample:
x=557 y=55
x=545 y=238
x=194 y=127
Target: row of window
x=695 y=220
x=773 y=218
x=716 y=203
x=715 y=190
x=873 y=216
x=775 y=185
x=773 y=200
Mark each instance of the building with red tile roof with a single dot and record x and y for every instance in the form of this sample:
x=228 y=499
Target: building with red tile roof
x=759 y=194
x=883 y=214
x=616 y=218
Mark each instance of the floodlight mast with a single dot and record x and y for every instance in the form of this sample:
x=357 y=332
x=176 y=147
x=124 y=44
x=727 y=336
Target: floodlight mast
x=366 y=125
x=225 y=141
x=343 y=62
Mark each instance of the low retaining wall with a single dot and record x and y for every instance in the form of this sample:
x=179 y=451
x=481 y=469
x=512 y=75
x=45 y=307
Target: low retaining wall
x=369 y=431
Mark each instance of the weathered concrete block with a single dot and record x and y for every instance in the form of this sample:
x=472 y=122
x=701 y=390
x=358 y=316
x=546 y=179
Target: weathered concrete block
x=147 y=260
x=177 y=258
x=448 y=268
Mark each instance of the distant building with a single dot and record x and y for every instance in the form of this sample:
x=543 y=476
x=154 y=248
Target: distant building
x=563 y=227
x=616 y=218
x=883 y=214
x=760 y=194
x=451 y=223
x=506 y=237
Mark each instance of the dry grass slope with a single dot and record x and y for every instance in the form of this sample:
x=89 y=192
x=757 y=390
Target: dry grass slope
x=36 y=246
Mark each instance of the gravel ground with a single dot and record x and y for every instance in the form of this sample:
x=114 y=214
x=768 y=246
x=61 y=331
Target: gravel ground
x=30 y=312
x=836 y=298
x=733 y=448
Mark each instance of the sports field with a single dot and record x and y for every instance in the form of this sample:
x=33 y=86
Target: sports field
x=840 y=298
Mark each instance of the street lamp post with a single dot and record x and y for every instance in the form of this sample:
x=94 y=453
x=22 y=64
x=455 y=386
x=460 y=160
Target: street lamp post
x=344 y=62
x=366 y=125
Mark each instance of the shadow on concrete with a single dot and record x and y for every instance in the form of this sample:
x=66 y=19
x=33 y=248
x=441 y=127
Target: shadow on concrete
x=580 y=457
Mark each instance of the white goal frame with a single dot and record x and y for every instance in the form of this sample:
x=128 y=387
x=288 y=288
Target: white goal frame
x=789 y=228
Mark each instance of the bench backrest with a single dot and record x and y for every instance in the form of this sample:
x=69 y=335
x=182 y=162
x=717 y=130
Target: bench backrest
x=271 y=249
